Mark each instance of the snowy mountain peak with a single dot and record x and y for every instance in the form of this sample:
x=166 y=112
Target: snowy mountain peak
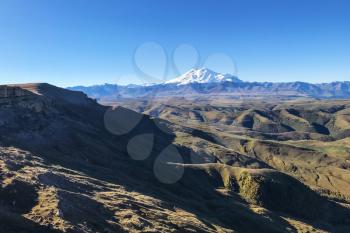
x=202 y=76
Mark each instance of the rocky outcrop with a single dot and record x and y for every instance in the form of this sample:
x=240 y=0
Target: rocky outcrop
x=10 y=92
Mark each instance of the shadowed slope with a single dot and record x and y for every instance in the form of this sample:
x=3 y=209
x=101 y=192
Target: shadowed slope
x=83 y=178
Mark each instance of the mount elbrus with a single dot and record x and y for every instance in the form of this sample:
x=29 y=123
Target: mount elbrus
x=206 y=84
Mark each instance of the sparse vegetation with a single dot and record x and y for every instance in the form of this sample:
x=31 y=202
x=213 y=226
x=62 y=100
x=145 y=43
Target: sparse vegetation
x=259 y=172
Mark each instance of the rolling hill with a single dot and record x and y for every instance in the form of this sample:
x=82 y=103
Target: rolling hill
x=85 y=167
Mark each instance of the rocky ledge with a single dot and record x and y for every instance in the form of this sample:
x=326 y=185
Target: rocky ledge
x=13 y=91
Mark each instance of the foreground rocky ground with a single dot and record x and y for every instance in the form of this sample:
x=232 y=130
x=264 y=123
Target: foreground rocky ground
x=68 y=164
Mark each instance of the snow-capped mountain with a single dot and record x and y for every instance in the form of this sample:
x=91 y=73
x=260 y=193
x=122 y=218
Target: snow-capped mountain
x=205 y=82
x=202 y=76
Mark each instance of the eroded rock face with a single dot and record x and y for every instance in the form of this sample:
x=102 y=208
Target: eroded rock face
x=14 y=97
x=11 y=92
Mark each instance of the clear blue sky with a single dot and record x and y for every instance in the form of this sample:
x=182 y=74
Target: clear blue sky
x=71 y=42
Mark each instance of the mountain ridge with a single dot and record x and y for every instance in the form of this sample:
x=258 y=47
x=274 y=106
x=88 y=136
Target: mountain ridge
x=207 y=83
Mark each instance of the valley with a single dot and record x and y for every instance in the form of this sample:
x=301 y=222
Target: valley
x=171 y=166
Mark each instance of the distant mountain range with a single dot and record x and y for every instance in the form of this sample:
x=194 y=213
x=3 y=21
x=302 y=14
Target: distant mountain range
x=207 y=83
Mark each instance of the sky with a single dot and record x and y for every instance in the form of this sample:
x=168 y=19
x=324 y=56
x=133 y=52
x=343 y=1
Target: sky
x=86 y=42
